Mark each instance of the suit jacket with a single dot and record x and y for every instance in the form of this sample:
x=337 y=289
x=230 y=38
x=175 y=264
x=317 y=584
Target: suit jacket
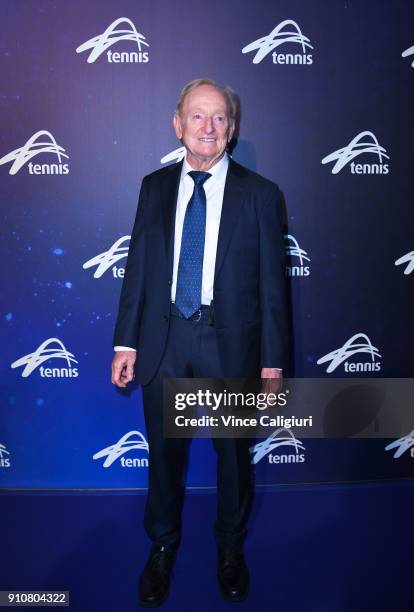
x=250 y=301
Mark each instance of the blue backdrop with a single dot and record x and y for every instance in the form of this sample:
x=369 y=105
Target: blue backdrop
x=87 y=96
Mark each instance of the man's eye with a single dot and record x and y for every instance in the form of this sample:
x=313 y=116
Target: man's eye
x=219 y=119
x=197 y=116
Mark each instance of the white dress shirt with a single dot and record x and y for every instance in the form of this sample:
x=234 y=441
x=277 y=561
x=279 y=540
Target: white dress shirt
x=214 y=190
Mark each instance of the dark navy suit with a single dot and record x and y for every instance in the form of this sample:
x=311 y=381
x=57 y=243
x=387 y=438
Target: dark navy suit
x=250 y=331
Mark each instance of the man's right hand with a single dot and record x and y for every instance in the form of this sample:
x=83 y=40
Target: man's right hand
x=123 y=368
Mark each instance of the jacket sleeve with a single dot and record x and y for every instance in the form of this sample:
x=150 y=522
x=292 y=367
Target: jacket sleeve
x=273 y=284
x=131 y=302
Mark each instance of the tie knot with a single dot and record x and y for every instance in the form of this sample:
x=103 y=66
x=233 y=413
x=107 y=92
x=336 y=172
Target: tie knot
x=199 y=177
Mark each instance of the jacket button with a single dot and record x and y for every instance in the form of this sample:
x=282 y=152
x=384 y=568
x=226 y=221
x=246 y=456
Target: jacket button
x=170 y=282
x=165 y=317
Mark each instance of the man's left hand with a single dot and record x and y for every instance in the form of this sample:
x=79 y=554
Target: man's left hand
x=272 y=380
x=271 y=373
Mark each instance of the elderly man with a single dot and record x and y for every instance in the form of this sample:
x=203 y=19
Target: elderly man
x=203 y=296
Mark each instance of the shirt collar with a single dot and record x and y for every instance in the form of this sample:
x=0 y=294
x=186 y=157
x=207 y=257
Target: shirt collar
x=218 y=171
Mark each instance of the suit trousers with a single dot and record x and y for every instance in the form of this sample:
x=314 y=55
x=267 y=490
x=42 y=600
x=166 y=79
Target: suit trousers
x=191 y=352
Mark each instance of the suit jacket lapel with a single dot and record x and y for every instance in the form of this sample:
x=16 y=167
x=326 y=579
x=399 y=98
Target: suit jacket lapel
x=230 y=212
x=169 y=195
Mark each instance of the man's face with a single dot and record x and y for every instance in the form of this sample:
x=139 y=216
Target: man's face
x=203 y=126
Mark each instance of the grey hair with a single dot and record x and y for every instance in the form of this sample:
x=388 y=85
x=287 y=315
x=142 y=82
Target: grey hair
x=229 y=95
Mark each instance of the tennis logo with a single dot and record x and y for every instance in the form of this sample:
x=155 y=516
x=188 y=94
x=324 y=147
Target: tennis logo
x=33 y=147
x=109 y=258
x=407 y=53
x=402 y=445
x=294 y=250
x=4 y=457
x=52 y=348
x=279 y=439
x=408 y=259
x=174 y=156
x=287 y=32
x=131 y=441
x=363 y=143
x=358 y=344
x=127 y=32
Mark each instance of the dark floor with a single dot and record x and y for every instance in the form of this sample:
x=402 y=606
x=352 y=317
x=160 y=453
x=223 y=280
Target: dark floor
x=310 y=549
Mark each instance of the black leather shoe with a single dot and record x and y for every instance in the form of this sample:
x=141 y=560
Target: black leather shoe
x=233 y=575
x=154 y=582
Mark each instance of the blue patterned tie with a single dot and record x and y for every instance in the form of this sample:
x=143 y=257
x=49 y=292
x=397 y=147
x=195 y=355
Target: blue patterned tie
x=190 y=266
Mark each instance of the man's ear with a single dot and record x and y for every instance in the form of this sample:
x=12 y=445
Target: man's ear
x=177 y=126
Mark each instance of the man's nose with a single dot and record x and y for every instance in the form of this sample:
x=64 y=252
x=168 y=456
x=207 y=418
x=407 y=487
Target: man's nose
x=209 y=125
